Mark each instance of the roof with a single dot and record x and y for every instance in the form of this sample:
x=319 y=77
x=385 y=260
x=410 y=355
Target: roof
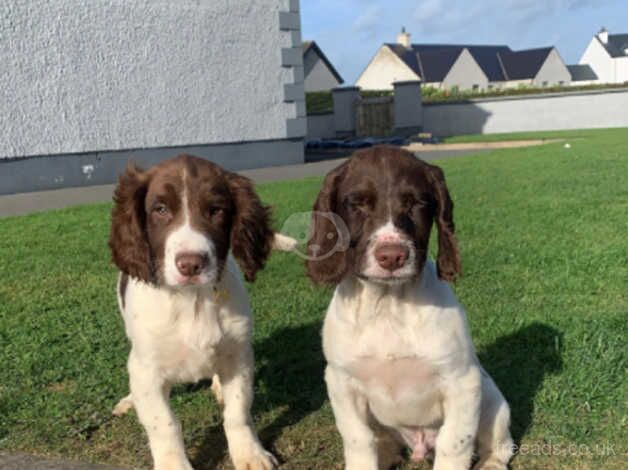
x=616 y=45
x=581 y=72
x=432 y=62
x=307 y=45
x=521 y=65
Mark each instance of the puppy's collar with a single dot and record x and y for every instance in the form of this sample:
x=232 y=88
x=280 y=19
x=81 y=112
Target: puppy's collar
x=220 y=295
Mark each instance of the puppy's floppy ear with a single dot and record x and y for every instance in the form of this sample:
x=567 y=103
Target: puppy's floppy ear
x=128 y=240
x=251 y=233
x=448 y=258
x=327 y=265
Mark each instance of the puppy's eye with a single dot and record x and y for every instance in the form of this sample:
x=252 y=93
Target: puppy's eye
x=215 y=211
x=161 y=209
x=357 y=204
x=411 y=202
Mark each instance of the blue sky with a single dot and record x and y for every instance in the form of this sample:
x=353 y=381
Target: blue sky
x=351 y=31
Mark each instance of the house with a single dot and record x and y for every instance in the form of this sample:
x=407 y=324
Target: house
x=582 y=75
x=463 y=66
x=320 y=74
x=87 y=86
x=607 y=54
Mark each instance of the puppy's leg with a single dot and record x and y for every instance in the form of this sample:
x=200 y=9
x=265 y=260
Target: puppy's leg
x=495 y=445
x=236 y=379
x=351 y=413
x=462 y=394
x=150 y=397
x=217 y=389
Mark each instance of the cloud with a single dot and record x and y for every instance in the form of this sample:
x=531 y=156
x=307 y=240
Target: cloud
x=368 y=21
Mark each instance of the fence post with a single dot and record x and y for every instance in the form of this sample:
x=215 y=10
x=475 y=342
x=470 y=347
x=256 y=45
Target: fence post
x=408 y=108
x=344 y=99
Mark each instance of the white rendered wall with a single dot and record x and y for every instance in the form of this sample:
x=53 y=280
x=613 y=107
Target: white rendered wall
x=80 y=76
x=465 y=73
x=621 y=67
x=383 y=70
x=602 y=64
x=574 y=110
x=553 y=71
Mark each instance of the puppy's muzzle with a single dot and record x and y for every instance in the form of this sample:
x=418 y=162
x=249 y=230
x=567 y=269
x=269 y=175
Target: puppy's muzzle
x=191 y=264
x=391 y=256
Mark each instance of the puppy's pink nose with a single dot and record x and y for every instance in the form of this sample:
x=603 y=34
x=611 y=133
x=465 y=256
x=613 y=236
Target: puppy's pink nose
x=191 y=264
x=391 y=256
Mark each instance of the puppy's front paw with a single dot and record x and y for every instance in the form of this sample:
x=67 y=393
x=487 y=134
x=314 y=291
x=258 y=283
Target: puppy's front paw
x=490 y=464
x=257 y=459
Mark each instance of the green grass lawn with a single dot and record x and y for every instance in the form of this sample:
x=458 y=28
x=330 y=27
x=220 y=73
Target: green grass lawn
x=567 y=135
x=543 y=234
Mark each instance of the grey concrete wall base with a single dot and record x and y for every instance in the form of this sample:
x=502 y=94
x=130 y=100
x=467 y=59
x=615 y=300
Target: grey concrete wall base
x=95 y=168
x=321 y=126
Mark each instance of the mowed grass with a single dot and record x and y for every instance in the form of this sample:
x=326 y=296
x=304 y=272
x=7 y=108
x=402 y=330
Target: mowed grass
x=543 y=234
x=567 y=135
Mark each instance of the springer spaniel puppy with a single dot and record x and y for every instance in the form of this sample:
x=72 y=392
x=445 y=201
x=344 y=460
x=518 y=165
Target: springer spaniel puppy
x=401 y=367
x=183 y=302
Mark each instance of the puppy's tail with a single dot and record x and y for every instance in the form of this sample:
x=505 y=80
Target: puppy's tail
x=283 y=242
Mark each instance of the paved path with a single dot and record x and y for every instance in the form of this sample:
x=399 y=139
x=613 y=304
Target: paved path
x=25 y=203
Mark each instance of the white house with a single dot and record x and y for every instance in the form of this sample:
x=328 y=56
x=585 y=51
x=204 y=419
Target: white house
x=464 y=66
x=88 y=85
x=607 y=54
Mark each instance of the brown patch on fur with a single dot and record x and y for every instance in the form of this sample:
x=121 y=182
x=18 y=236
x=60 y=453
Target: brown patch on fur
x=251 y=236
x=128 y=240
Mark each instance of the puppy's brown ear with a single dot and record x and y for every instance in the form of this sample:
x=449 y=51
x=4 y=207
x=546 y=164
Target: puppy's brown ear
x=251 y=233
x=127 y=240
x=328 y=242
x=448 y=258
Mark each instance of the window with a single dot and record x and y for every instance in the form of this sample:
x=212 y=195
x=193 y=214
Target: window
x=561 y=83
x=544 y=84
x=476 y=87
x=491 y=86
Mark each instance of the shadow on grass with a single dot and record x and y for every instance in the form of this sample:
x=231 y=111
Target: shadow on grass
x=289 y=381
x=518 y=363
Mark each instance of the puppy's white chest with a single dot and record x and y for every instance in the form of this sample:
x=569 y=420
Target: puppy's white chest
x=181 y=334
x=396 y=374
x=386 y=363
x=392 y=375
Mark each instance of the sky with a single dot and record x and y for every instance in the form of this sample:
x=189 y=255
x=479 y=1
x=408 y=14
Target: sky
x=351 y=31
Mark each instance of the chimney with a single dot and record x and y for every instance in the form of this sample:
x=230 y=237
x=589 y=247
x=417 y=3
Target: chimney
x=603 y=35
x=403 y=38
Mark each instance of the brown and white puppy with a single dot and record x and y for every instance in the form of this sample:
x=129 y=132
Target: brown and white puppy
x=181 y=295
x=401 y=367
